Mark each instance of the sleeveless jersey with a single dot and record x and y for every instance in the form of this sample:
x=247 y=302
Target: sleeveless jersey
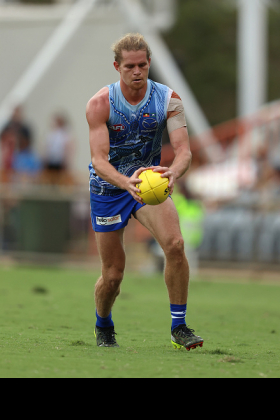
x=135 y=133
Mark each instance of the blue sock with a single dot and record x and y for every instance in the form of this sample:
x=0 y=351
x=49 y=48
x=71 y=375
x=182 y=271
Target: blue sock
x=178 y=315
x=104 y=322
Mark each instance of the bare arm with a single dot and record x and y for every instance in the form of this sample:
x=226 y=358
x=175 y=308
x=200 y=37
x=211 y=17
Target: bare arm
x=97 y=112
x=181 y=145
x=179 y=140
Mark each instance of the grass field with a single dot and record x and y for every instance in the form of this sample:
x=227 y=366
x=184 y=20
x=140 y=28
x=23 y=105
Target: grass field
x=47 y=322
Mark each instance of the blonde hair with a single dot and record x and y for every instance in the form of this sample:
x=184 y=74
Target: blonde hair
x=130 y=42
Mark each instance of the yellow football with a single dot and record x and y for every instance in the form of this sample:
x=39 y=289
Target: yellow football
x=154 y=188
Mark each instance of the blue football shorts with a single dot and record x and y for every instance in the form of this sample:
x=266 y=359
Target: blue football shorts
x=112 y=213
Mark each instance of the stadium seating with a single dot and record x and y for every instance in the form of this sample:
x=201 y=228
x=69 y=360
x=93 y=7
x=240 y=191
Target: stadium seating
x=242 y=235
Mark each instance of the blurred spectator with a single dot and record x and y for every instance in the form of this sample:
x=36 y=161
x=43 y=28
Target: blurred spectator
x=271 y=190
x=10 y=137
x=18 y=125
x=58 y=149
x=264 y=168
x=26 y=161
x=58 y=144
x=191 y=216
x=8 y=145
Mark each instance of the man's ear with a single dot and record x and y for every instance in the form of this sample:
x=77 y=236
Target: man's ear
x=117 y=66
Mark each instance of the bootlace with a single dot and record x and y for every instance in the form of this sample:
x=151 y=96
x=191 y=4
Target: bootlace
x=185 y=330
x=108 y=335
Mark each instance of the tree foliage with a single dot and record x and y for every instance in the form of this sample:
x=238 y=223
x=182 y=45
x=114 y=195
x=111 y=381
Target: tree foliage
x=204 y=43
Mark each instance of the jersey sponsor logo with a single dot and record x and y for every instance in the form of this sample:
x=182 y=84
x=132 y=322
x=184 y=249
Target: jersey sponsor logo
x=117 y=127
x=150 y=123
x=107 y=221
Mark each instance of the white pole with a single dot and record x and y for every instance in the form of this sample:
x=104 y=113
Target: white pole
x=252 y=56
x=46 y=56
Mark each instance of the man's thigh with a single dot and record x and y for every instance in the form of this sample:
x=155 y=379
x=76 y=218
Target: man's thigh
x=162 y=221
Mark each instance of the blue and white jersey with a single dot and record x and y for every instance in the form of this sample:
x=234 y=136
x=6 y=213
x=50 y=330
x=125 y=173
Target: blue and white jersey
x=135 y=133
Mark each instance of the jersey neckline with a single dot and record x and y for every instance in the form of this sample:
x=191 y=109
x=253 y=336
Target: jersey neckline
x=144 y=100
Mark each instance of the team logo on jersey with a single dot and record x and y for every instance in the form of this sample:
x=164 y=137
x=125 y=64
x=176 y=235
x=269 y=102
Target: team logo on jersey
x=117 y=127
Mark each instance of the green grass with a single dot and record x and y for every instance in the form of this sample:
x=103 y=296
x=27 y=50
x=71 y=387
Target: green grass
x=47 y=322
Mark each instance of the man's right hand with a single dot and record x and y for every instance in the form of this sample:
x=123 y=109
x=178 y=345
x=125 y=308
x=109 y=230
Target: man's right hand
x=132 y=185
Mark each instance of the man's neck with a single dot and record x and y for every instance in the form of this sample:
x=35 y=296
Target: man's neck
x=133 y=96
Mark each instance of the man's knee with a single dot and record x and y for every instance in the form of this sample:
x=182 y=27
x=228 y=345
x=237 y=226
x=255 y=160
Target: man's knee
x=175 y=248
x=113 y=277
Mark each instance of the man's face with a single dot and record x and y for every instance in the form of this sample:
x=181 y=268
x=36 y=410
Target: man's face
x=134 y=68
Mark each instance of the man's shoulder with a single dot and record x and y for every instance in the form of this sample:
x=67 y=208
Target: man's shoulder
x=159 y=85
x=99 y=103
x=100 y=98
x=163 y=91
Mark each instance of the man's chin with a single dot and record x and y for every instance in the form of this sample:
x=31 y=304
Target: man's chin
x=138 y=85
